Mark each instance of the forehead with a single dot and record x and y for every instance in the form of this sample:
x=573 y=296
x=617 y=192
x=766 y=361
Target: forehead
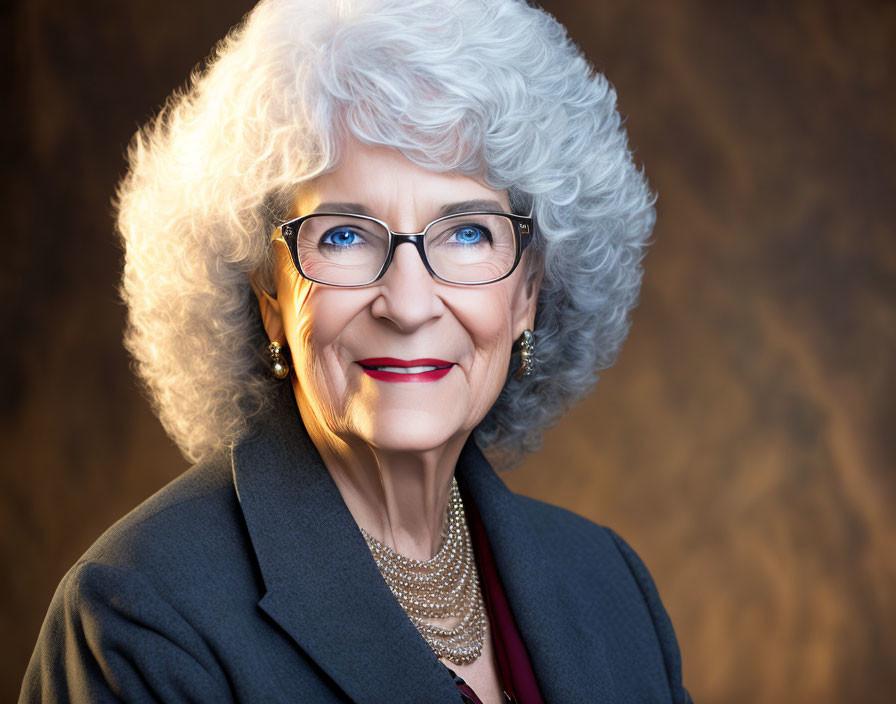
x=389 y=185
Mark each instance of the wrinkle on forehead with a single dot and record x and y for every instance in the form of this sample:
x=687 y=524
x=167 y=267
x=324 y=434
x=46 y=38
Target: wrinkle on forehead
x=404 y=191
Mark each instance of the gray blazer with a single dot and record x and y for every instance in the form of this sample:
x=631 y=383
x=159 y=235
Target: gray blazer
x=246 y=579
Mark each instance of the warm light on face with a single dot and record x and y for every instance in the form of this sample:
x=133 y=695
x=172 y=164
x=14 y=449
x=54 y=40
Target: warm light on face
x=408 y=362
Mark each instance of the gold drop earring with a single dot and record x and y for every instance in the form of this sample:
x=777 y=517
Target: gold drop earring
x=279 y=365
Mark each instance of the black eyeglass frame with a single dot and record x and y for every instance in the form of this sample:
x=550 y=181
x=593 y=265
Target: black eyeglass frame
x=523 y=231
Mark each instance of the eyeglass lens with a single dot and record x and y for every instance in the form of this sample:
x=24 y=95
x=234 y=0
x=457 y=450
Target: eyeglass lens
x=344 y=250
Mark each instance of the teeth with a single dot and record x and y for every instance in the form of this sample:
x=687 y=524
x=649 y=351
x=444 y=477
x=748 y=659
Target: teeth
x=406 y=370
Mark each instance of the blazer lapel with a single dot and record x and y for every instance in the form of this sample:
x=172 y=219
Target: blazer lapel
x=567 y=656
x=323 y=587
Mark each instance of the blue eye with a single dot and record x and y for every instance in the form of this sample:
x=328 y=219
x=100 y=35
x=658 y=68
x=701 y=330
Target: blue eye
x=471 y=234
x=341 y=237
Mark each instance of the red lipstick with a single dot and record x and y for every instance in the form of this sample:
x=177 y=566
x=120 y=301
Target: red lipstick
x=392 y=369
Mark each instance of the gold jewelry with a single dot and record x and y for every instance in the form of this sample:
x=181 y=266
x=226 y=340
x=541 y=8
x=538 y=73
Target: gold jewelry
x=526 y=344
x=279 y=366
x=444 y=587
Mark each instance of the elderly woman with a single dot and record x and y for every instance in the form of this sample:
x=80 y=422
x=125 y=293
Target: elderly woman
x=375 y=239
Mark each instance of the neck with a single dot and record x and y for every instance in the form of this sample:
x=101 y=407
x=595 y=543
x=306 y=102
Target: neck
x=398 y=497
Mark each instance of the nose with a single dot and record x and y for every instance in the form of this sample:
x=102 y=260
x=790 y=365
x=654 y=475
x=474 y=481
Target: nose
x=408 y=293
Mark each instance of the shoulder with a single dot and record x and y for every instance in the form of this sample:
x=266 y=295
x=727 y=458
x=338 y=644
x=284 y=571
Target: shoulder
x=196 y=513
x=603 y=570
x=188 y=543
x=602 y=559
x=124 y=617
x=569 y=536
x=205 y=484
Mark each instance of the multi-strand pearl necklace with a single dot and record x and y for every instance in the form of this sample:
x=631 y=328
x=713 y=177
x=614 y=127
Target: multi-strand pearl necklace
x=444 y=587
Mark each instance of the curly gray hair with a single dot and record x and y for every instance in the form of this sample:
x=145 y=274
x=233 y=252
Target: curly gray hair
x=491 y=87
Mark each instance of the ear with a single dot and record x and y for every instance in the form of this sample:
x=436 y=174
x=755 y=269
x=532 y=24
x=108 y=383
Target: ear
x=271 y=315
x=526 y=300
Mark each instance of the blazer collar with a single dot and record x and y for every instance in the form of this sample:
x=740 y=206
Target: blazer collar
x=324 y=589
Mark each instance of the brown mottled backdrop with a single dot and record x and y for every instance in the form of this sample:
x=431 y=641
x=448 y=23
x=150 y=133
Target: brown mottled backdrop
x=744 y=444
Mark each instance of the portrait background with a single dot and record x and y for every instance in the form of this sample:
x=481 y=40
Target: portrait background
x=744 y=442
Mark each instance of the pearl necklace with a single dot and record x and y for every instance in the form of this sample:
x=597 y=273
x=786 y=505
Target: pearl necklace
x=444 y=587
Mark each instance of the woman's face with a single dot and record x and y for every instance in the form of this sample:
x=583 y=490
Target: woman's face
x=406 y=315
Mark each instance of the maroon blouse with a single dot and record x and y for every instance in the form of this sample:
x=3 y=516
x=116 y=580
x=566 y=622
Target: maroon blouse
x=514 y=668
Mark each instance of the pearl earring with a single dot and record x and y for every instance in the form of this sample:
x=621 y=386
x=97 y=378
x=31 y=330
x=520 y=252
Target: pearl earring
x=279 y=366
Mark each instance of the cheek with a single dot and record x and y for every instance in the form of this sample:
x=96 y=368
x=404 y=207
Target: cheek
x=488 y=321
x=319 y=321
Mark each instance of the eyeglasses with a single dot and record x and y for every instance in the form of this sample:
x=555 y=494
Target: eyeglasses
x=344 y=249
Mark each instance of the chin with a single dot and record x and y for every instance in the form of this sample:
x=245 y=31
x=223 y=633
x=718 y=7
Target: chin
x=406 y=430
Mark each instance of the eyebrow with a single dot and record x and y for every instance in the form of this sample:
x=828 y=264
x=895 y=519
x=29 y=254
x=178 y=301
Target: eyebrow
x=470 y=206
x=341 y=207
x=464 y=206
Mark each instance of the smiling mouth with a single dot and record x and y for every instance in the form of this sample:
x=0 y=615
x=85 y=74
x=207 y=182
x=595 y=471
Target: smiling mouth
x=392 y=369
x=402 y=370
